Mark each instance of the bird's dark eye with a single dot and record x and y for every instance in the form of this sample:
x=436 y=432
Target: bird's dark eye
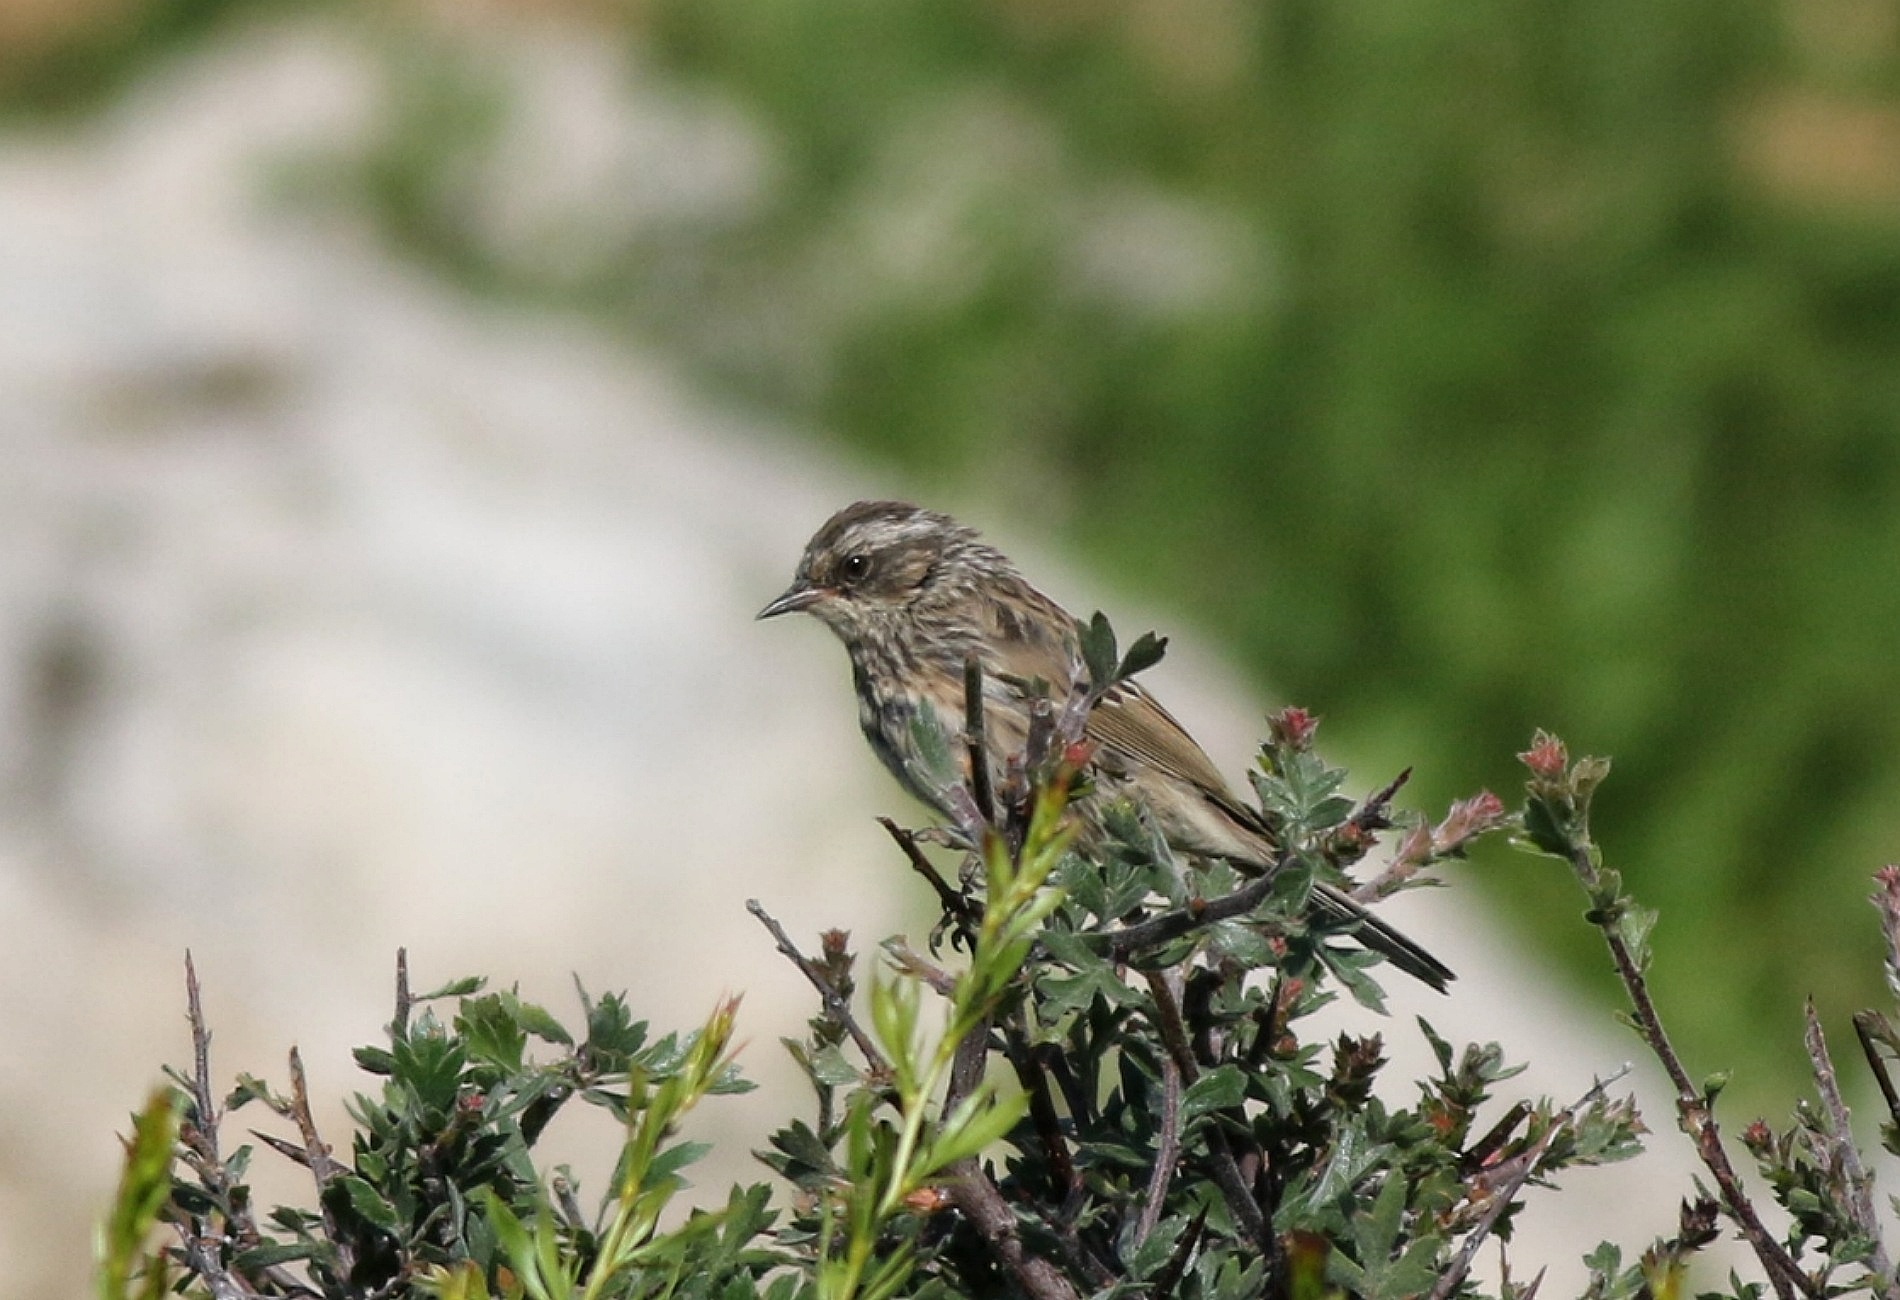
x=855 y=568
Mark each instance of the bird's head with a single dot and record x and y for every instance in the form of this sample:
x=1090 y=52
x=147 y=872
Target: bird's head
x=877 y=562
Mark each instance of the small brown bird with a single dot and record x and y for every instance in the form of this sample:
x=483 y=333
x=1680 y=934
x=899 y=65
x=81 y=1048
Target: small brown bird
x=913 y=594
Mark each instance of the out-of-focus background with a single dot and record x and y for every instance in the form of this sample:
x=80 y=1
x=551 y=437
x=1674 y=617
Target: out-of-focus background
x=406 y=405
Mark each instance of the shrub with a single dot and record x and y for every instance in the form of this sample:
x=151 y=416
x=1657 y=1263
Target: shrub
x=1126 y=1097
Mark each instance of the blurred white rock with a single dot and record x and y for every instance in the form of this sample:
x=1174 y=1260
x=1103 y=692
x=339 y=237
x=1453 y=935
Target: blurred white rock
x=340 y=611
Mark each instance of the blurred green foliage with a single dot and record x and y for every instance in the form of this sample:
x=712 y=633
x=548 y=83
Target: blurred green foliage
x=1459 y=362
x=1524 y=403
x=1515 y=399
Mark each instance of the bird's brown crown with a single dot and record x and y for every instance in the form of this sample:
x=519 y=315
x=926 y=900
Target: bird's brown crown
x=887 y=552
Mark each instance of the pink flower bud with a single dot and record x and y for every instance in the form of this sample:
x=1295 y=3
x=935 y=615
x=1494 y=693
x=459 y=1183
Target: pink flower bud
x=1293 y=728
x=1468 y=819
x=1546 y=758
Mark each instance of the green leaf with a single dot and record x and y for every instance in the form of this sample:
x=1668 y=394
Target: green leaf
x=1585 y=776
x=271 y=1254
x=1143 y=655
x=1546 y=827
x=1348 y=966
x=538 y=1021
x=1154 y=1253
x=1376 y=1230
x=1098 y=651
x=493 y=1034
x=460 y=988
x=799 y=1155
x=1065 y=995
x=1352 y=1157
x=1441 y=1048
x=143 y=1188
x=368 y=1202
x=371 y=1060
x=614 y=1037
x=429 y=1065
x=894 y=1011
x=830 y=1067
x=1219 y=1089
x=1240 y=942
x=1633 y=927
x=675 y=1158
x=979 y=1122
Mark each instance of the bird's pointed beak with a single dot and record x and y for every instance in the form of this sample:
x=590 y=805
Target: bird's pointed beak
x=797 y=596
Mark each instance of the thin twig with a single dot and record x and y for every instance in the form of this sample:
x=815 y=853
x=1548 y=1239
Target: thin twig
x=977 y=1196
x=1030 y=1072
x=1226 y=1170
x=201 y=1256
x=834 y=1002
x=1871 y=1027
x=1033 y=1073
x=1693 y=1111
x=1505 y=1181
x=203 y=1102
x=941 y=981
x=1072 y=723
x=1042 y=730
x=1167 y=1151
x=1844 y=1154
x=975 y=739
x=951 y=901
x=200 y=1136
x=966 y=1066
x=322 y=1165
x=1481 y=1151
x=1116 y=945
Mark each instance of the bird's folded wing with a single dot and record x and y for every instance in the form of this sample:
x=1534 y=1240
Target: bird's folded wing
x=1129 y=720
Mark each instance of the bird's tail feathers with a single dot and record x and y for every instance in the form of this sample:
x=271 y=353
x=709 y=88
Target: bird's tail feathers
x=1331 y=905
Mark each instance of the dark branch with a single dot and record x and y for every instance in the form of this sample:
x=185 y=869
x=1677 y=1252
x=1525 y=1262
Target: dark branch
x=1504 y=1181
x=1167 y=1151
x=952 y=902
x=1117 y=945
x=1843 y=1154
x=834 y=1002
x=976 y=741
x=1226 y=1170
x=1693 y=1112
x=983 y=1205
x=1868 y=1026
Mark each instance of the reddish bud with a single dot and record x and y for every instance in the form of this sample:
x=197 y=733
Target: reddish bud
x=1079 y=754
x=1758 y=1138
x=927 y=1200
x=1546 y=758
x=1468 y=819
x=1292 y=728
x=834 y=942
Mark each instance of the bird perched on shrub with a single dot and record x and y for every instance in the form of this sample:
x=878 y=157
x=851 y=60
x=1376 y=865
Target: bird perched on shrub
x=914 y=595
